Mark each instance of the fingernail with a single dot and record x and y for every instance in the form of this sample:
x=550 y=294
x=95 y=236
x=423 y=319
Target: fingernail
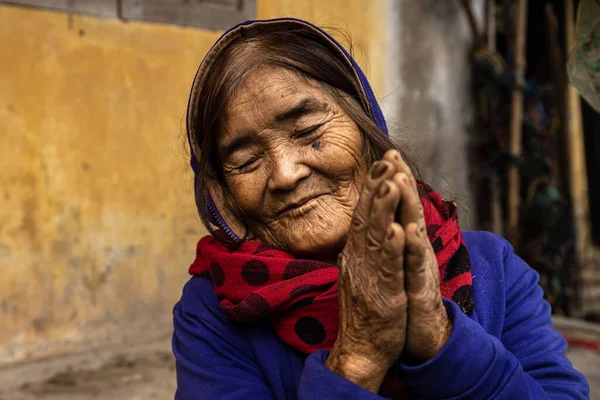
x=378 y=170
x=390 y=233
x=384 y=189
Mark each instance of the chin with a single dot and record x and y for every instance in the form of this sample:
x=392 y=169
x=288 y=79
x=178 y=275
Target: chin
x=317 y=242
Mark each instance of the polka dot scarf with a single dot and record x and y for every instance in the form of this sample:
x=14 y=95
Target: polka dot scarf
x=299 y=297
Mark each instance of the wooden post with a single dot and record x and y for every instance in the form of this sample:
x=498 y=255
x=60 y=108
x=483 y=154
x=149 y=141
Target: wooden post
x=516 y=120
x=576 y=152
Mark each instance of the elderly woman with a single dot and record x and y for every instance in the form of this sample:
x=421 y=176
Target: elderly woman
x=332 y=272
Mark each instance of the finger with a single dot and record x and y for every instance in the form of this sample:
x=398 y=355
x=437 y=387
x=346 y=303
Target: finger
x=382 y=215
x=379 y=172
x=411 y=208
x=416 y=268
x=395 y=157
x=391 y=271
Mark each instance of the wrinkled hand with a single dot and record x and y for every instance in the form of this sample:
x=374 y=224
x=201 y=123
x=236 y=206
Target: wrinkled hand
x=389 y=294
x=428 y=326
x=371 y=292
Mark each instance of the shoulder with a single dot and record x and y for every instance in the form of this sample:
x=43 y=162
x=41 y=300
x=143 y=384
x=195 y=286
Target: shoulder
x=199 y=301
x=486 y=245
x=200 y=328
x=198 y=291
x=493 y=257
x=499 y=277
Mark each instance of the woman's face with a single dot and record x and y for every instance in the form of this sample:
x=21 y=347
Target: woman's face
x=293 y=162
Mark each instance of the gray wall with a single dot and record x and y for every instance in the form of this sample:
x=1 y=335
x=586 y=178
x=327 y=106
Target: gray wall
x=427 y=100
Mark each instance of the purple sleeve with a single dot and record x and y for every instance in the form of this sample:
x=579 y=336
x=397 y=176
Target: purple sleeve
x=318 y=382
x=527 y=363
x=213 y=363
x=216 y=361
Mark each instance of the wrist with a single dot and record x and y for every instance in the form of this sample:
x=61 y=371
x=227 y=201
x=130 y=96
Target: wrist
x=430 y=343
x=356 y=368
x=446 y=331
x=445 y=325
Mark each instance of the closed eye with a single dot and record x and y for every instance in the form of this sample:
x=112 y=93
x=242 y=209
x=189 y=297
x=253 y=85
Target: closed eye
x=247 y=165
x=306 y=132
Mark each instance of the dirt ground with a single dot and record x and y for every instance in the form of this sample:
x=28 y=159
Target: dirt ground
x=123 y=378
x=145 y=372
x=151 y=375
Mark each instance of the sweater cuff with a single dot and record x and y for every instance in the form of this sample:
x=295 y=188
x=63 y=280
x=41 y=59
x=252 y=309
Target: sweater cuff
x=460 y=365
x=319 y=382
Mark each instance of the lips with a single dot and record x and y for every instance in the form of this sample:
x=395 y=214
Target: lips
x=297 y=204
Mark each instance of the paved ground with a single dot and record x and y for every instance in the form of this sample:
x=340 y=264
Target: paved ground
x=149 y=374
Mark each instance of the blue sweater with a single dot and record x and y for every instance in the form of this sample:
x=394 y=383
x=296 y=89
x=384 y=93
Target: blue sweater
x=505 y=349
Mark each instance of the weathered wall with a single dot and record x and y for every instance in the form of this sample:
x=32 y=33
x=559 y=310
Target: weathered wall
x=427 y=95
x=97 y=220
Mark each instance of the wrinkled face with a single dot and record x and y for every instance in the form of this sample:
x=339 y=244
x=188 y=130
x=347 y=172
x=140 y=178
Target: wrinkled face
x=293 y=162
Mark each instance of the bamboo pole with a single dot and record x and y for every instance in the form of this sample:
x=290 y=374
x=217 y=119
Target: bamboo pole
x=559 y=75
x=516 y=120
x=576 y=151
x=495 y=196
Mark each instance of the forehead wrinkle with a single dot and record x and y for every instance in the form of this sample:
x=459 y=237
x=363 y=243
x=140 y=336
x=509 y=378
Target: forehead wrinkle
x=254 y=104
x=263 y=95
x=258 y=85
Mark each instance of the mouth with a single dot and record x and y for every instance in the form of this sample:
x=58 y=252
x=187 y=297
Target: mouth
x=298 y=204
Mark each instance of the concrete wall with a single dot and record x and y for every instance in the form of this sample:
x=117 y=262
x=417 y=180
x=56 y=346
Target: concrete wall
x=97 y=219
x=427 y=95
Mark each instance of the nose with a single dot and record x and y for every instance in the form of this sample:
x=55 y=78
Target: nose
x=287 y=171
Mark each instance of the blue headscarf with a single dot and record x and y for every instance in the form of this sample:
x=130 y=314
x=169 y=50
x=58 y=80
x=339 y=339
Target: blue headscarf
x=238 y=32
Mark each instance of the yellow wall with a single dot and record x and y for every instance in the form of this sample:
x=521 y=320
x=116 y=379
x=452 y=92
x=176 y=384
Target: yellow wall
x=364 y=20
x=97 y=219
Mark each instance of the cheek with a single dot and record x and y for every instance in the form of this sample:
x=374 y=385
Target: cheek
x=248 y=193
x=340 y=154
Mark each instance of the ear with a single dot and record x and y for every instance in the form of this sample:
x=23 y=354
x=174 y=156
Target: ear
x=223 y=213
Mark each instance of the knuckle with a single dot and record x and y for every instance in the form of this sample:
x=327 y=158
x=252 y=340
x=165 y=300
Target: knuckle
x=411 y=178
x=373 y=243
x=391 y=250
x=398 y=301
x=386 y=273
x=425 y=298
x=416 y=268
x=417 y=255
x=368 y=189
x=401 y=298
x=422 y=229
x=359 y=223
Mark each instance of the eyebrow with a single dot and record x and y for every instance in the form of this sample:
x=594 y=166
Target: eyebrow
x=305 y=106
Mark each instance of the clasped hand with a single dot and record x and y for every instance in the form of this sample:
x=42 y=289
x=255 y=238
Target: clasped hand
x=389 y=292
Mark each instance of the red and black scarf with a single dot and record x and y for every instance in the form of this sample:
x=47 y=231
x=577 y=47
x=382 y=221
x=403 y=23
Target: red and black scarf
x=299 y=297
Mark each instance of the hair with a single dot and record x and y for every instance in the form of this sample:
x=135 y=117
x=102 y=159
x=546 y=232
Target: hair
x=302 y=51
